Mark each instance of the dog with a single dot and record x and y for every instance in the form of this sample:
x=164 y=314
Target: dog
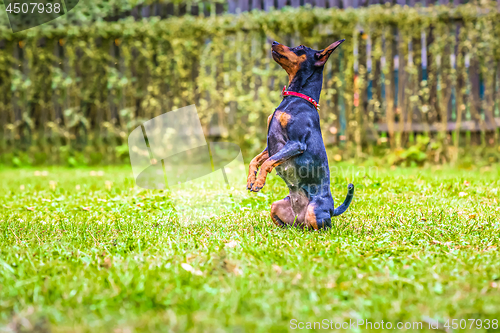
x=295 y=145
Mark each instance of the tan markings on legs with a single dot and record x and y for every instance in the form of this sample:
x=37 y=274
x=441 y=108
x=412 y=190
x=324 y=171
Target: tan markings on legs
x=258 y=160
x=282 y=212
x=254 y=166
x=266 y=168
x=311 y=217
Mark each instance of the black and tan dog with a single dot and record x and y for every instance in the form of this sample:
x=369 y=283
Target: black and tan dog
x=295 y=146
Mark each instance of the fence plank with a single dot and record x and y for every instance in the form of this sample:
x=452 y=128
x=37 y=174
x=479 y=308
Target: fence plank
x=376 y=78
x=231 y=6
x=320 y=3
x=282 y=3
x=497 y=98
x=256 y=4
x=268 y=5
x=195 y=9
x=447 y=85
x=181 y=9
x=4 y=102
x=390 y=86
x=416 y=49
x=498 y=87
x=145 y=11
x=460 y=86
x=17 y=64
x=432 y=72
x=402 y=105
x=335 y=73
x=135 y=13
x=244 y=5
x=489 y=78
x=219 y=8
x=169 y=10
x=362 y=107
x=347 y=3
x=475 y=97
x=204 y=8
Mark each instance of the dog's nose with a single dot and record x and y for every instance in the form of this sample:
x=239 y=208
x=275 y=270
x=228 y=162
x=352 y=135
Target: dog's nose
x=275 y=43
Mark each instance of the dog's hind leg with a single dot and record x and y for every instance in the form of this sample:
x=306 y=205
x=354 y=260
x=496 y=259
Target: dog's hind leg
x=318 y=216
x=291 y=210
x=282 y=213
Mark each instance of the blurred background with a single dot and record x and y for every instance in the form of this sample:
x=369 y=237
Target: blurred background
x=415 y=83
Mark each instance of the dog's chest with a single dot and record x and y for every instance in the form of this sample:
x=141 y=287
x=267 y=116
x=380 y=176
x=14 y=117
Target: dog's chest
x=277 y=135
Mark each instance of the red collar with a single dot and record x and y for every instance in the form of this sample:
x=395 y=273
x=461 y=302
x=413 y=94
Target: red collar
x=307 y=98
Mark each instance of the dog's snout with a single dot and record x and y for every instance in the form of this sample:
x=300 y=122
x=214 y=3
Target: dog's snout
x=275 y=43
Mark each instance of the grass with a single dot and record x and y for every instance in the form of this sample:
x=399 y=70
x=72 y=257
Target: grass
x=86 y=251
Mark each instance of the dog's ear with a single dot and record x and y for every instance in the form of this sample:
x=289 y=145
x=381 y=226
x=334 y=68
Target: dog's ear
x=323 y=55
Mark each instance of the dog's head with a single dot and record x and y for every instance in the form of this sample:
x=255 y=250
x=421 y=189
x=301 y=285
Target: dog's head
x=301 y=59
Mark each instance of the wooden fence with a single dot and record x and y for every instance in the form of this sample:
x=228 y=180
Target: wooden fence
x=166 y=9
x=80 y=94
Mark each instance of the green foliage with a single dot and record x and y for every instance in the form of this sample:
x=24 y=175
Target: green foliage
x=413 y=155
x=72 y=93
x=82 y=250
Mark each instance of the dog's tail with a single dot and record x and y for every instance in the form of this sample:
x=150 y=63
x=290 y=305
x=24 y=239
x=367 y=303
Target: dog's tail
x=342 y=208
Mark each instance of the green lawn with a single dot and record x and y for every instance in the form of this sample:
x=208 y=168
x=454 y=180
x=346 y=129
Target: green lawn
x=82 y=250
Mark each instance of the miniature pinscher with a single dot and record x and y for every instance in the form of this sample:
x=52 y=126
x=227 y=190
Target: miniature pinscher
x=295 y=146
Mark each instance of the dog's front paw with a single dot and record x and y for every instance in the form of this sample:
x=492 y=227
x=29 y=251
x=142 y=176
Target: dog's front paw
x=250 y=182
x=257 y=186
x=252 y=177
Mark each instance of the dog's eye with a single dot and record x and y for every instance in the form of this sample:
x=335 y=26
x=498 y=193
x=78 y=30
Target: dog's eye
x=300 y=50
